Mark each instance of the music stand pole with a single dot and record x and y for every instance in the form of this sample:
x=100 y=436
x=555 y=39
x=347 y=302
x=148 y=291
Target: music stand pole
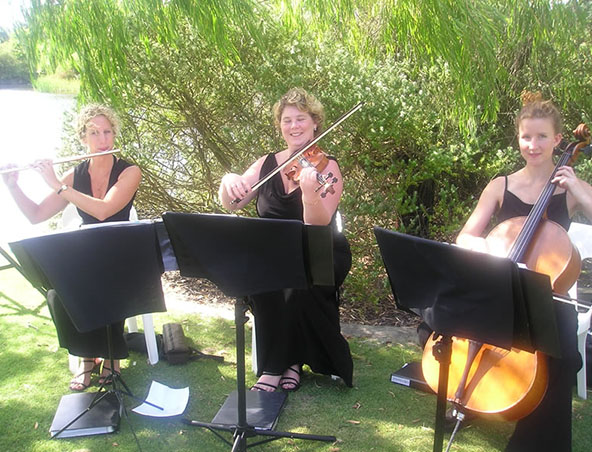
x=239 y=240
x=242 y=430
x=443 y=353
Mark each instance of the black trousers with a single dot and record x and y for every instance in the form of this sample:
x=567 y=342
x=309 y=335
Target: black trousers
x=548 y=427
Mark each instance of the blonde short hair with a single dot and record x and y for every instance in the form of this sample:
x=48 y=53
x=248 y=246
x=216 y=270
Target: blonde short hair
x=91 y=111
x=305 y=102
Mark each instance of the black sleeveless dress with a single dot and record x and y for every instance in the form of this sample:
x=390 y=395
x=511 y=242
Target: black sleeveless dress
x=92 y=343
x=82 y=184
x=548 y=427
x=294 y=325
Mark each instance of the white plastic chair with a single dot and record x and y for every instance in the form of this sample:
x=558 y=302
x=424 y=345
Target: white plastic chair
x=71 y=220
x=581 y=236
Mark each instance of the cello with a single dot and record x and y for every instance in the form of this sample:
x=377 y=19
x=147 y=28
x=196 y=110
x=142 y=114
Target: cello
x=511 y=383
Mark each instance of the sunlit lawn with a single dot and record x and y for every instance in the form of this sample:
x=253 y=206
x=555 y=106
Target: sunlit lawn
x=374 y=415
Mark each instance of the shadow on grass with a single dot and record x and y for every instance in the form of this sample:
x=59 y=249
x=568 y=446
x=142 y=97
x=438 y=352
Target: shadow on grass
x=374 y=415
x=16 y=308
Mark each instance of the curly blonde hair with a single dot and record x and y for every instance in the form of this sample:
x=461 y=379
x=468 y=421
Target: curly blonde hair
x=90 y=111
x=533 y=106
x=305 y=102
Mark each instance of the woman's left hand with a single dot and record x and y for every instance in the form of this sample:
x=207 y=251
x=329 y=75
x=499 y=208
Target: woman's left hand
x=579 y=190
x=45 y=168
x=309 y=185
x=566 y=178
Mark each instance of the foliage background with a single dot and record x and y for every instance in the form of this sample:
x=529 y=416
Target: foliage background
x=13 y=64
x=441 y=80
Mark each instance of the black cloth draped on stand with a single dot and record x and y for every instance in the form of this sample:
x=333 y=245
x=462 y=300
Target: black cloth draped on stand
x=102 y=275
x=300 y=325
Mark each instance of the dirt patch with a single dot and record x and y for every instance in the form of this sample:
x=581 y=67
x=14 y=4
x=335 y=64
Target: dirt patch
x=204 y=292
x=385 y=313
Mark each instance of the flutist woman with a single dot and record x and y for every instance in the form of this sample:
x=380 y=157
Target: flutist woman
x=103 y=189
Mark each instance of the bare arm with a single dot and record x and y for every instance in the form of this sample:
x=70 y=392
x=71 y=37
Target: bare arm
x=36 y=213
x=470 y=235
x=319 y=210
x=115 y=199
x=234 y=186
x=579 y=192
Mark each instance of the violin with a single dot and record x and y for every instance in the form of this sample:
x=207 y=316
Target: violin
x=511 y=383
x=315 y=158
x=324 y=182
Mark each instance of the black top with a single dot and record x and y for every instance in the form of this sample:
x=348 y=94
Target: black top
x=272 y=199
x=83 y=185
x=512 y=206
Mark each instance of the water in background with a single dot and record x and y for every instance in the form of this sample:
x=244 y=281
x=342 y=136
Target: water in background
x=31 y=125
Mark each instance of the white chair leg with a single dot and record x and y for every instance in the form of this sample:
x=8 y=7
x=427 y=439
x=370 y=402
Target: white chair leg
x=150 y=337
x=254 y=348
x=73 y=363
x=132 y=325
x=583 y=327
x=582 y=372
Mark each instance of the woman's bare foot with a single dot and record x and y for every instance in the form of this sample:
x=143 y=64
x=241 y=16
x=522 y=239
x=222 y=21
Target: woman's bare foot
x=290 y=380
x=106 y=371
x=81 y=380
x=267 y=382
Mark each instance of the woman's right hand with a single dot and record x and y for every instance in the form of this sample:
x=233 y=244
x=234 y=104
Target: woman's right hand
x=45 y=168
x=234 y=188
x=10 y=179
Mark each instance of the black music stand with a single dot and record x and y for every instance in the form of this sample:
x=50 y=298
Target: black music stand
x=240 y=256
x=103 y=274
x=468 y=294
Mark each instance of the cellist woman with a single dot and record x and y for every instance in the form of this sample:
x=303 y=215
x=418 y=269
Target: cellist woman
x=539 y=129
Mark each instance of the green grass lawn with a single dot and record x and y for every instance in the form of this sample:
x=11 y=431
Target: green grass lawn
x=375 y=415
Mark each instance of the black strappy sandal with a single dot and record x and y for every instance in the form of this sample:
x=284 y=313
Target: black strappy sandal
x=259 y=386
x=291 y=384
x=81 y=386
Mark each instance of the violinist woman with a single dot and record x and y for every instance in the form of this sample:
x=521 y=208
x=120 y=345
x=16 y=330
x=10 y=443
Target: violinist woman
x=294 y=326
x=538 y=125
x=102 y=188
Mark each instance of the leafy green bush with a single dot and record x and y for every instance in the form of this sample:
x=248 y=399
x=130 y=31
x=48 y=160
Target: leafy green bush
x=13 y=64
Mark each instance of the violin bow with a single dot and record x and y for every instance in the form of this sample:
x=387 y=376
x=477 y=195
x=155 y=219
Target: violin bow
x=306 y=147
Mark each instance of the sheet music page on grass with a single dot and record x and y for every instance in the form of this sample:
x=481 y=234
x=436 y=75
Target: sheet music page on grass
x=172 y=401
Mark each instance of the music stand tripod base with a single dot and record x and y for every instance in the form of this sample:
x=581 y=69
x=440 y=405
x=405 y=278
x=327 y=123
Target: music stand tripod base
x=239 y=241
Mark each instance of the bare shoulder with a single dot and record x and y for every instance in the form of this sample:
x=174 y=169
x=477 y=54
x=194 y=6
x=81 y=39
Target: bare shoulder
x=495 y=188
x=133 y=169
x=497 y=184
x=132 y=172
